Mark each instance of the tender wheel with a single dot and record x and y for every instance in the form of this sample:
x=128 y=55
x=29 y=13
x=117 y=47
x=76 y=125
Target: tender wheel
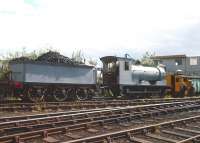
x=61 y=94
x=81 y=94
x=35 y=94
x=90 y=93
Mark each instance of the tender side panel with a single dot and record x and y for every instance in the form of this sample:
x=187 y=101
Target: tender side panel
x=17 y=72
x=43 y=73
x=59 y=74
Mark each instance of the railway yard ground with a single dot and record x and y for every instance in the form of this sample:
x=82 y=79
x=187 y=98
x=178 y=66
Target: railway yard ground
x=171 y=120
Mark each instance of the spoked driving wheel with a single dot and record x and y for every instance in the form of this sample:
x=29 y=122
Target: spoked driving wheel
x=61 y=94
x=35 y=94
x=81 y=94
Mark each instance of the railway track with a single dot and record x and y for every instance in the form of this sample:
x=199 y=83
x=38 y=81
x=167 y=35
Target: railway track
x=184 y=130
x=55 y=106
x=92 y=125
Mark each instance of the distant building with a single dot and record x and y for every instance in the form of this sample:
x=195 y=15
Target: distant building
x=189 y=65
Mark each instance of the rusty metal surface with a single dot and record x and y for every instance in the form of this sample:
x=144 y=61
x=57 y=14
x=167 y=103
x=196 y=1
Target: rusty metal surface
x=13 y=106
x=151 y=133
x=77 y=127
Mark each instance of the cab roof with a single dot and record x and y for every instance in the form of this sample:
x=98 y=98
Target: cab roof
x=115 y=58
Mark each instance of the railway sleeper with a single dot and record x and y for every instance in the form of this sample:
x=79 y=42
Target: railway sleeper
x=79 y=127
x=161 y=138
x=114 y=116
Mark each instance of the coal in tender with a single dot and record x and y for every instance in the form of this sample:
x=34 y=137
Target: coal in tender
x=54 y=57
x=21 y=59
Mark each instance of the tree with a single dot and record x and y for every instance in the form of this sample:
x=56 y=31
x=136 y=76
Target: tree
x=4 y=68
x=147 y=60
x=78 y=57
x=92 y=62
x=23 y=53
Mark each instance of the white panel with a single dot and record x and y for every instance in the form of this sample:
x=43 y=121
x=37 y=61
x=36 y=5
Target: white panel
x=193 y=61
x=125 y=76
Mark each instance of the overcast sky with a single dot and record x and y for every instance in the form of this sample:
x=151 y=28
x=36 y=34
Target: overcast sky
x=101 y=27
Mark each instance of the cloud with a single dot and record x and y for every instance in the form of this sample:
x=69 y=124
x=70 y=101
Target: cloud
x=183 y=41
x=99 y=28
x=19 y=7
x=33 y=3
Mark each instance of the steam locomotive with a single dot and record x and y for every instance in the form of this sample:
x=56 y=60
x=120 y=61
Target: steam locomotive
x=38 y=81
x=124 y=78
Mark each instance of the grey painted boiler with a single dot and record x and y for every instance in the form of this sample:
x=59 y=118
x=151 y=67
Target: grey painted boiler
x=152 y=74
x=140 y=75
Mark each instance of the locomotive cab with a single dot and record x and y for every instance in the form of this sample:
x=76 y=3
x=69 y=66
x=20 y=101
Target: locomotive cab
x=113 y=69
x=110 y=73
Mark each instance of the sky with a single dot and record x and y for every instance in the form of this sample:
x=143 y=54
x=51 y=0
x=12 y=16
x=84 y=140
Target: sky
x=101 y=27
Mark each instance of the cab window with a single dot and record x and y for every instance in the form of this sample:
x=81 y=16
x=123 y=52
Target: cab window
x=126 y=66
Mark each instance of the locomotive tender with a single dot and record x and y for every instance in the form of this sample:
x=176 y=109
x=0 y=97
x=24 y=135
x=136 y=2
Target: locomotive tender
x=35 y=81
x=38 y=81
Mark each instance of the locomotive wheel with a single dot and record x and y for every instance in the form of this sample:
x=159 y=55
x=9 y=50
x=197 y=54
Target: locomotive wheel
x=61 y=94
x=81 y=94
x=90 y=93
x=35 y=94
